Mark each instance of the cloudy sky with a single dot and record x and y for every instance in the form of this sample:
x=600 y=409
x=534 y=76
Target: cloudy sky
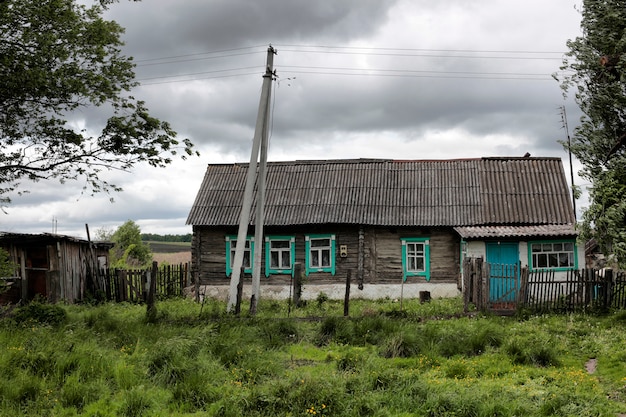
x=400 y=79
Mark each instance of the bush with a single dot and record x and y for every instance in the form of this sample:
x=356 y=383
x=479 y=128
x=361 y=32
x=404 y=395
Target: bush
x=337 y=329
x=42 y=313
x=401 y=345
x=136 y=403
x=277 y=333
x=321 y=299
x=531 y=351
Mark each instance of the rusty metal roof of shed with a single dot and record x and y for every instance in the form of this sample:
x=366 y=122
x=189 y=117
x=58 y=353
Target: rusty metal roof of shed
x=381 y=192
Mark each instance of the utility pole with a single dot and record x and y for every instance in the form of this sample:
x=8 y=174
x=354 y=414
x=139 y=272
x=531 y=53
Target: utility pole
x=569 y=151
x=260 y=135
x=260 y=215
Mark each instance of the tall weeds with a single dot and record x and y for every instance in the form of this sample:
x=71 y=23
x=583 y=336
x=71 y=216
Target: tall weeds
x=423 y=360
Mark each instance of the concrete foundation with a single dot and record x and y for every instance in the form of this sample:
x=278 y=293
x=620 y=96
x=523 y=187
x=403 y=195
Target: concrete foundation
x=337 y=291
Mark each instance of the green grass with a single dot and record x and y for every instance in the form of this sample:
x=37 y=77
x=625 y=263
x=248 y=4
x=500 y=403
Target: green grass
x=421 y=360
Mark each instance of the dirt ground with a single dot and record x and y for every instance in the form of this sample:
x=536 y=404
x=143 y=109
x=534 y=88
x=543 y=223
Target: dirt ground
x=172 y=258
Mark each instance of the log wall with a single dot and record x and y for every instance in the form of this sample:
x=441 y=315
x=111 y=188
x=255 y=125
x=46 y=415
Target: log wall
x=381 y=257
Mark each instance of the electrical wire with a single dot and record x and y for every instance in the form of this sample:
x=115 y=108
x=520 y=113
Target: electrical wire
x=356 y=71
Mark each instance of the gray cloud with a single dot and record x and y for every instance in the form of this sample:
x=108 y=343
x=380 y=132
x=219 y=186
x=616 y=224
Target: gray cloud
x=356 y=78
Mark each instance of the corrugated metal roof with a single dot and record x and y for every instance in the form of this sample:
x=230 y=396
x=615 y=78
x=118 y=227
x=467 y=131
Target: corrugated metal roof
x=21 y=238
x=474 y=232
x=381 y=192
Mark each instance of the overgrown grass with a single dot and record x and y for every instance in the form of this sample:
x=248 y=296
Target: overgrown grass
x=418 y=360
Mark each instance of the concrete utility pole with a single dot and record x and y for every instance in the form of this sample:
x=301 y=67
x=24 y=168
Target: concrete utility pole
x=260 y=135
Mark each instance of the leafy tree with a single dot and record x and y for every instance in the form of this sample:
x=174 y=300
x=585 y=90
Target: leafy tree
x=129 y=251
x=7 y=267
x=56 y=58
x=166 y=238
x=595 y=69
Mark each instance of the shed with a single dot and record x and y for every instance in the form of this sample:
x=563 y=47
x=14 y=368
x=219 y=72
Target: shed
x=56 y=267
x=396 y=225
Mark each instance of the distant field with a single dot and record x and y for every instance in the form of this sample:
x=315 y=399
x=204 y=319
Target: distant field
x=169 y=247
x=172 y=258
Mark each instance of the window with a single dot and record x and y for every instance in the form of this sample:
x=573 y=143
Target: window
x=557 y=255
x=248 y=254
x=416 y=257
x=279 y=254
x=320 y=253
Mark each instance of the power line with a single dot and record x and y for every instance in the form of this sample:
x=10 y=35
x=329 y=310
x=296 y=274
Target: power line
x=412 y=72
x=421 y=55
x=201 y=53
x=421 y=49
x=194 y=59
x=200 y=78
x=197 y=73
x=546 y=78
x=350 y=71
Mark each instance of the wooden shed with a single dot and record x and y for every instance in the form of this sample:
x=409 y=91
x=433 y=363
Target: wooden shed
x=56 y=267
x=395 y=225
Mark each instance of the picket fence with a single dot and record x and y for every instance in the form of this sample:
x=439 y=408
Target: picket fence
x=506 y=288
x=132 y=285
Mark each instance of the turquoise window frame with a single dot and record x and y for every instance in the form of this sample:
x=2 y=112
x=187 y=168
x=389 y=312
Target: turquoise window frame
x=307 y=255
x=229 y=248
x=552 y=241
x=426 y=272
x=292 y=249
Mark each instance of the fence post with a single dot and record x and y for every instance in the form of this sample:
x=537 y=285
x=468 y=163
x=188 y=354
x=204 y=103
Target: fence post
x=121 y=279
x=466 y=284
x=239 y=292
x=151 y=310
x=486 y=287
x=346 y=300
x=478 y=283
x=297 y=284
x=607 y=288
x=523 y=287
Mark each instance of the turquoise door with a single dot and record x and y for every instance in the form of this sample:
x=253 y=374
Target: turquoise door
x=503 y=258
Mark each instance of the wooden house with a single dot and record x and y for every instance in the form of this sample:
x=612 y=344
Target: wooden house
x=399 y=227
x=52 y=266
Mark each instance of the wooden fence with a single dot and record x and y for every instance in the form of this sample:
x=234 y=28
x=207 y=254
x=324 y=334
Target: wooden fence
x=506 y=288
x=132 y=285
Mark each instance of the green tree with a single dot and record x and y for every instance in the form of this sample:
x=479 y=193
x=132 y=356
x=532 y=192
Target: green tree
x=56 y=58
x=129 y=251
x=7 y=267
x=595 y=69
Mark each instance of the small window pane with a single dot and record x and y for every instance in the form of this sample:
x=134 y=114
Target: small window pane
x=546 y=247
x=279 y=244
x=557 y=247
x=541 y=260
x=569 y=247
x=315 y=259
x=317 y=243
x=325 y=258
x=286 y=260
x=553 y=260
x=536 y=247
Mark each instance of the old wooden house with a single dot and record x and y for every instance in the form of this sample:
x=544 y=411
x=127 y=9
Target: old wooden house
x=52 y=266
x=397 y=226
